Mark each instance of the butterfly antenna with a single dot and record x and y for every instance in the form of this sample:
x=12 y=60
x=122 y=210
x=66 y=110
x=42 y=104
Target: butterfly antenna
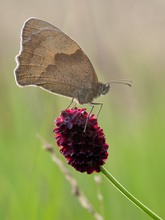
x=122 y=81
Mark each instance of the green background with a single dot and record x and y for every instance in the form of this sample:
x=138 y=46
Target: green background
x=124 y=40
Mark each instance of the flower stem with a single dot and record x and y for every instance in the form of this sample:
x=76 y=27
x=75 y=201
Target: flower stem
x=129 y=195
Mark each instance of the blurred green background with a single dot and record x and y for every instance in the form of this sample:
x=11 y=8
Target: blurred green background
x=123 y=39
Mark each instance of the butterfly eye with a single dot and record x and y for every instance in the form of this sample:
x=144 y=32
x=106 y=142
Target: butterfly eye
x=105 y=88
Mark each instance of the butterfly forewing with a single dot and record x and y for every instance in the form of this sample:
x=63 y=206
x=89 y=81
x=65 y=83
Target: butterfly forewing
x=50 y=59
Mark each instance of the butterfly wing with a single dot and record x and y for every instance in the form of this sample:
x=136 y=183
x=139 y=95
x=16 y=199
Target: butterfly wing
x=50 y=59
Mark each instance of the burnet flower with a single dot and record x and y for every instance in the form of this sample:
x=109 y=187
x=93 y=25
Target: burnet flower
x=85 y=150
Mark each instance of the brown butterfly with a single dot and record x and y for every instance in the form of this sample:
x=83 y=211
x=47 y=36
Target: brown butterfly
x=50 y=59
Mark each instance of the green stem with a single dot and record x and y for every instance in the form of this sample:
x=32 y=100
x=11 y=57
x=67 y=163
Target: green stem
x=129 y=195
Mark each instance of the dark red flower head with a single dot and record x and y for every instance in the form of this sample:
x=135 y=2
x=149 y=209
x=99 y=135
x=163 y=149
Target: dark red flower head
x=85 y=150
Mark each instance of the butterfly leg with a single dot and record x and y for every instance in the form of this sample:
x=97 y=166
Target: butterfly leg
x=74 y=105
x=70 y=103
x=97 y=103
x=92 y=107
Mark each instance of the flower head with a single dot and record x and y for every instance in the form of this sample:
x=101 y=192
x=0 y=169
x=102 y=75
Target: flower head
x=85 y=150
